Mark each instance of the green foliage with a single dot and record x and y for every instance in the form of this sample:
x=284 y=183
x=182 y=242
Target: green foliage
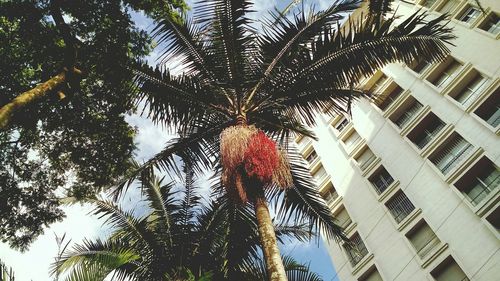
x=76 y=146
x=179 y=238
x=277 y=79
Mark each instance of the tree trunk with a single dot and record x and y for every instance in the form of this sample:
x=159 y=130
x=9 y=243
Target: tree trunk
x=30 y=96
x=274 y=264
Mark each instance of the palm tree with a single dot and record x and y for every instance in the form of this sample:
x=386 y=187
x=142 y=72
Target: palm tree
x=179 y=238
x=244 y=91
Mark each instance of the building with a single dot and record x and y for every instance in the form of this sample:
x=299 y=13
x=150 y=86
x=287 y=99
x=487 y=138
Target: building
x=414 y=178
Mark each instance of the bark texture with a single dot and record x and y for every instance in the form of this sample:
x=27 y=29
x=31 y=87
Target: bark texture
x=274 y=264
x=30 y=96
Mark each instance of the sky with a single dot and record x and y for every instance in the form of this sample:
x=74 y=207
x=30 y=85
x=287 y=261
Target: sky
x=34 y=264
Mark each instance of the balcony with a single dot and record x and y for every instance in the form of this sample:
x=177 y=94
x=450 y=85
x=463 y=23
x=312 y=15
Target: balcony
x=365 y=158
x=470 y=90
x=480 y=181
x=388 y=97
x=381 y=180
x=330 y=195
x=311 y=157
x=341 y=125
x=491 y=24
x=423 y=239
x=319 y=175
x=451 y=154
x=426 y=131
x=449 y=268
x=445 y=73
x=400 y=206
x=406 y=112
x=489 y=110
x=357 y=251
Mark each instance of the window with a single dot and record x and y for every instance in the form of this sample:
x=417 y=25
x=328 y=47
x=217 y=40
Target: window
x=489 y=111
x=381 y=180
x=482 y=179
x=449 y=6
x=342 y=124
x=384 y=100
x=406 y=112
x=378 y=84
x=420 y=66
x=447 y=74
x=470 y=91
x=343 y=218
x=319 y=174
x=371 y=275
x=330 y=194
x=400 y=206
x=426 y=130
x=451 y=153
x=494 y=219
x=365 y=158
x=357 y=251
x=423 y=239
x=428 y=3
x=352 y=139
x=303 y=141
x=491 y=24
x=311 y=156
x=448 y=270
x=470 y=15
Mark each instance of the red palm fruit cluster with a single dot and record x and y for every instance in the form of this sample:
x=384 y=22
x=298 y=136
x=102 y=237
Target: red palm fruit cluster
x=261 y=158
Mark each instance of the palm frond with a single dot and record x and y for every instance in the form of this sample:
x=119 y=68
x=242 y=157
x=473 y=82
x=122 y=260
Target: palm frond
x=339 y=57
x=175 y=100
x=255 y=270
x=94 y=260
x=303 y=202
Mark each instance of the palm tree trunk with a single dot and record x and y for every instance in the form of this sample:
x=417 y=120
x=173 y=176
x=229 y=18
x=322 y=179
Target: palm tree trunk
x=274 y=264
x=32 y=95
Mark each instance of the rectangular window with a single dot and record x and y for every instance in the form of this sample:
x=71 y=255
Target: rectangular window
x=428 y=3
x=406 y=112
x=470 y=15
x=343 y=218
x=342 y=124
x=330 y=194
x=378 y=84
x=311 y=156
x=447 y=75
x=372 y=275
x=481 y=180
x=426 y=130
x=357 y=251
x=423 y=239
x=400 y=206
x=385 y=100
x=449 y=270
x=494 y=219
x=471 y=91
x=489 y=110
x=319 y=174
x=365 y=158
x=381 y=180
x=420 y=66
x=449 y=6
x=451 y=154
x=352 y=140
x=491 y=24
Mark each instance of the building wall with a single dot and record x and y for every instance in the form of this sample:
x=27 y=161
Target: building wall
x=465 y=231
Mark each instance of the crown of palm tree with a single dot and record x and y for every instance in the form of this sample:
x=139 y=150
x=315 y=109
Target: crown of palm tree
x=180 y=237
x=276 y=78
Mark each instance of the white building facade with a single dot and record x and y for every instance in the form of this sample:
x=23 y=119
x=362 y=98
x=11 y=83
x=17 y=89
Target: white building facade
x=414 y=178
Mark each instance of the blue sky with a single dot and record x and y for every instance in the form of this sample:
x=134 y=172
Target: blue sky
x=34 y=264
